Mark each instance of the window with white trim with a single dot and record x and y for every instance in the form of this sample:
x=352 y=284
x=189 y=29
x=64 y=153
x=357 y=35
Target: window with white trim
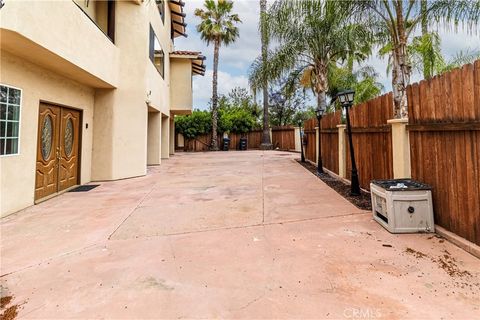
x=10 y=100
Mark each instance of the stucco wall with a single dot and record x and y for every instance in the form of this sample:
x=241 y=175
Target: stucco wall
x=38 y=84
x=64 y=30
x=181 y=85
x=69 y=61
x=121 y=115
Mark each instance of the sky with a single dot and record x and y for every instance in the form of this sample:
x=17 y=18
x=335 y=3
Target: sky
x=235 y=60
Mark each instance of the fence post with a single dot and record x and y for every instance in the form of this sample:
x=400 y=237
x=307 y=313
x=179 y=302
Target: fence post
x=298 y=139
x=317 y=136
x=400 y=148
x=342 y=151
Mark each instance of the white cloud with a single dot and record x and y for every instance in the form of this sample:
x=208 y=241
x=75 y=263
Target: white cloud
x=236 y=59
x=202 y=86
x=242 y=52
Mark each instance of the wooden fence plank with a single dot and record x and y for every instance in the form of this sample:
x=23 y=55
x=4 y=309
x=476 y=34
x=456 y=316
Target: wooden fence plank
x=444 y=126
x=283 y=138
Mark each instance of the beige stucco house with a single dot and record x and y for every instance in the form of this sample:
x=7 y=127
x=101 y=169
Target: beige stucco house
x=89 y=91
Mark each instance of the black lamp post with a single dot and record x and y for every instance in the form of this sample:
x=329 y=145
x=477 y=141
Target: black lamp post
x=346 y=100
x=301 y=140
x=320 y=112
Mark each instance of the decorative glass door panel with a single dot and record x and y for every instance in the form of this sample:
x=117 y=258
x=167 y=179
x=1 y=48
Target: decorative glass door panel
x=57 y=150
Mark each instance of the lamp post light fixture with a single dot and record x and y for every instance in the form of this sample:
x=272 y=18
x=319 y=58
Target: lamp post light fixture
x=320 y=112
x=346 y=100
x=301 y=140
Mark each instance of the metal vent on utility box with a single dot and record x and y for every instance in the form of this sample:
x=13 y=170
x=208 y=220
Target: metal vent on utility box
x=402 y=205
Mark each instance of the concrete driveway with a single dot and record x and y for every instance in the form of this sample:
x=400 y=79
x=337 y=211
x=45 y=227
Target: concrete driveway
x=226 y=235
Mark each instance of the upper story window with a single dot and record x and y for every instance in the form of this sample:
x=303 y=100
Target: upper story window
x=101 y=13
x=10 y=100
x=161 y=9
x=156 y=53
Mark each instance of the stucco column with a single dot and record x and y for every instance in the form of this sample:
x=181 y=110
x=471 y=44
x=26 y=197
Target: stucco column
x=342 y=151
x=316 y=145
x=172 y=135
x=165 y=147
x=154 y=140
x=400 y=148
x=181 y=140
x=297 y=139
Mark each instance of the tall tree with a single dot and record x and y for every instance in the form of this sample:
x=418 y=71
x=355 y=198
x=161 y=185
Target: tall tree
x=266 y=141
x=218 y=25
x=362 y=79
x=395 y=22
x=311 y=35
x=284 y=105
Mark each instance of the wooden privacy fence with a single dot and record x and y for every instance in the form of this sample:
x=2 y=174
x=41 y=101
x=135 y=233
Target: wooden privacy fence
x=282 y=137
x=329 y=143
x=202 y=142
x=444 y=128
x=442 y=135
x=372 y=140
x=371 y=137
x=310 y=139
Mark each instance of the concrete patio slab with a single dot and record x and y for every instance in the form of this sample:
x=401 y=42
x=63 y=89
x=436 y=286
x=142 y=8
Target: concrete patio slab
x=216 y=245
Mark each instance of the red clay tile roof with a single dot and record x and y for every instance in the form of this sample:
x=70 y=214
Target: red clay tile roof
x=187 y=53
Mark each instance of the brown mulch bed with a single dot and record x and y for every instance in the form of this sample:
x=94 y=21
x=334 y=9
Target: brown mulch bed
x=8 y=312
x=362 y=202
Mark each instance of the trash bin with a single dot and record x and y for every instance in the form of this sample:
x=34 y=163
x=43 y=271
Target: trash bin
x=226 y=144
x=243 y=143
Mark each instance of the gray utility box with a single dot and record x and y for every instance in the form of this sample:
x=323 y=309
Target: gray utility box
x=402 y=205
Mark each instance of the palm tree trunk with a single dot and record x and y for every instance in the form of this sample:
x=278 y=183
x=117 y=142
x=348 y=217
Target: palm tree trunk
x=427 y=60
x=322 y=100
x=322 y=86
x=401 y=68
x=266 y=142
x=400 y=81
x=214 y=143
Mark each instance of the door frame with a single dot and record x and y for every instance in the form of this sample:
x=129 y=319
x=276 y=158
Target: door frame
x=80 y=138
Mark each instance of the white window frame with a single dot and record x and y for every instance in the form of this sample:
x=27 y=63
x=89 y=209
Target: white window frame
x=19 y=121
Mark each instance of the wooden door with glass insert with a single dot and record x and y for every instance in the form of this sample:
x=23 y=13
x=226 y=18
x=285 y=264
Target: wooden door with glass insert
x=68 y=160
x=57 y=150
x=46 y=177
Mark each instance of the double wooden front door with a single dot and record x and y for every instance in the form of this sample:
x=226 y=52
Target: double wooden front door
x=57 y=150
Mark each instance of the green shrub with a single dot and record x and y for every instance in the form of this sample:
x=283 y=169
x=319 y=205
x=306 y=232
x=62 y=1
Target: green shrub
x=194 y=125
x=241 y=121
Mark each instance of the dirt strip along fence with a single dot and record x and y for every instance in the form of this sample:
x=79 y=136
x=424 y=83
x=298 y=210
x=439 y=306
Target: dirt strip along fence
x=372 y=139
x=329 y=143
x=310 y=139
x=283 y=138
x=444 y=128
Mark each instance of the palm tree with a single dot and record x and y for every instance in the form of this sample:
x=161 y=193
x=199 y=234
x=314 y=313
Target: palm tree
x=461 y=58
x=266 y=142
x=218 y=25
x=363 y=80
x=311 y=35
x=395 y=22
